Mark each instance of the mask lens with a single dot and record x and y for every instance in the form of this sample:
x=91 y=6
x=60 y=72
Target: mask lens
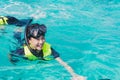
x=35 y=33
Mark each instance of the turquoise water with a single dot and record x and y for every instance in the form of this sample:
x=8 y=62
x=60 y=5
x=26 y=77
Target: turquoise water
x=86 y=33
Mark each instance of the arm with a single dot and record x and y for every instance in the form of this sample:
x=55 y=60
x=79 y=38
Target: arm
x=65 y=65
x=16 y=55
x=12 y=60
x=10 y=20
x=70 y=70
x=15 y=58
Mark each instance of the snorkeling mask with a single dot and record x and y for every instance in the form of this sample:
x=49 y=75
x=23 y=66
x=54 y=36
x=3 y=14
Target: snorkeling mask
x=36 y=31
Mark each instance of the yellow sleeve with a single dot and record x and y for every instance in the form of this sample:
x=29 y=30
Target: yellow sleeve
x=3 y=20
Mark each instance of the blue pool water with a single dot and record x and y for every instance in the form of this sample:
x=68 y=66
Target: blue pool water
x=86 y=33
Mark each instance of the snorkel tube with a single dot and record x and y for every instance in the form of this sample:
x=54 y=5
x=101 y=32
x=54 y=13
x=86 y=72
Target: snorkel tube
x=25 y=34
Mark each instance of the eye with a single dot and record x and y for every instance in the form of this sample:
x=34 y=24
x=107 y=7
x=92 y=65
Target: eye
x=41 y=38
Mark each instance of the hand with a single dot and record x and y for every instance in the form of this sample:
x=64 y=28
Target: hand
x=78 y=77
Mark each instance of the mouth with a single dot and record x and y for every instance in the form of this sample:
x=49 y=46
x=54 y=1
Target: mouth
x=39 y=45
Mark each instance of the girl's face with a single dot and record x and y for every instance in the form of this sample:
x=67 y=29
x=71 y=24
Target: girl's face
x=36 y=44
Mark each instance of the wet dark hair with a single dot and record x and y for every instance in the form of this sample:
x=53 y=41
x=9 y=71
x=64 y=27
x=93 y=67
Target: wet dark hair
x=35 y=30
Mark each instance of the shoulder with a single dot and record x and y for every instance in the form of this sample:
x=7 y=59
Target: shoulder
x=55 y=53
